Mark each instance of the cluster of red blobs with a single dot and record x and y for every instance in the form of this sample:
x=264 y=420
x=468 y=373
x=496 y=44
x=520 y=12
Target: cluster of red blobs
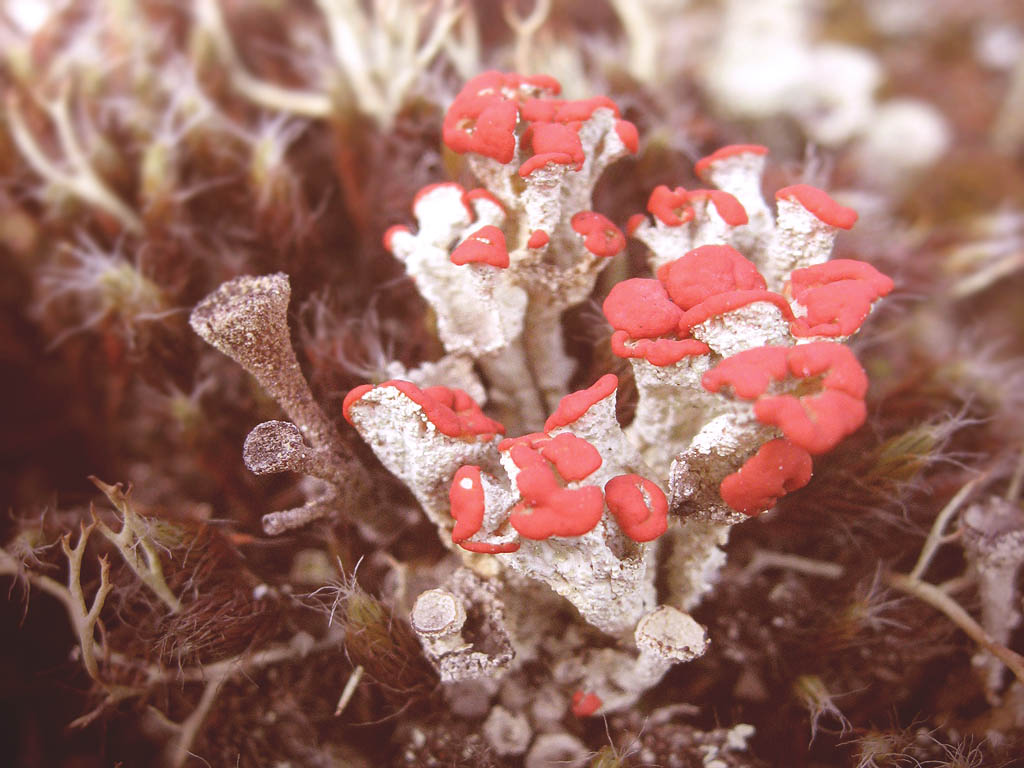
x=547 y=464
x=453 y=412
x=493 y=106
x=811 y=424
x=485 y=119
x=653 y=320
x=496 y=114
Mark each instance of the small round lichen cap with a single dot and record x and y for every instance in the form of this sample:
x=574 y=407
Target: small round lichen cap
x=671 y=635
x=272 y=446
x=438 y=613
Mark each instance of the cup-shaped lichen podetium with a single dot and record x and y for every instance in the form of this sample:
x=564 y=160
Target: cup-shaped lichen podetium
x=247 y=319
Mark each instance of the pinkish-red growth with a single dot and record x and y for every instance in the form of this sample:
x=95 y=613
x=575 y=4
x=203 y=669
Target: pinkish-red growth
x=438 y=413
x=555 y=138
x=485 y=246
x=818 y=203
x=707 y=271
x=466 y=497
x=815 y=423
x=802 y=281
x=600 y=236
x=573 y=457
x=721 y=303
x=572 y=407
x=627 y=134
x=729 y=208
x=748 y=373
x=779 y=467
x=838 y=295
x=486 y=548
x=484 y=125
x=559 y=111
x=641 y=307
x=483 y=117
x=835 y=362
x=639 y=506
x=539 y=161
x=837 y=309
x=670 y=206
x=585 y=704
x=471 y=419
x=538 y=239
x=549 y=509
x=540 y=110
x=733 y=150
x=659 y=352
x=582 y=109
x=531 y=440
x=453 y=412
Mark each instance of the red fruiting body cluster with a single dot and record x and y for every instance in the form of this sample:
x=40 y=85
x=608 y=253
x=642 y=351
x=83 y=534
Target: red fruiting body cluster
x=660 y=315
x=660 y=352
x=538 y=239
x=818 y=202
x=545 y=462
x=600 y=236
x=837 y=294
x=673 y=207
x=485 y=246
x=490 y=108
x=558 y=141
x=669 y=205
x=585 y=704
x=653 y=318
x=707 y=271
x=639 y=506
x=815 y=422
x=573 y=457
x=468 y=504
x=812 y=423
x=572 y=407
x=453 y=412
x=779 y=467
x=549 y=508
